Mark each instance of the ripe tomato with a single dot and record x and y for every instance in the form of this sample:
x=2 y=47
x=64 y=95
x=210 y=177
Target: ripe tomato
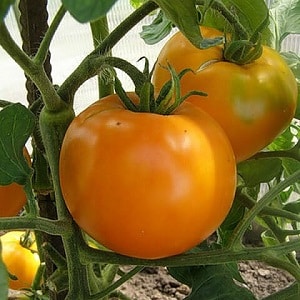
x=20 y=261
x=12 y=196
x=143 y=184
x=253 y=102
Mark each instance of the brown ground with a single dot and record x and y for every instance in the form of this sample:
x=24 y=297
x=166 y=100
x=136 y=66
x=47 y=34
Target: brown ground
x=157 y=284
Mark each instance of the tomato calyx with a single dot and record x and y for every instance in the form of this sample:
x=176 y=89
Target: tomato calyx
x=27 y=240
x=168 y=99
x=242 y=44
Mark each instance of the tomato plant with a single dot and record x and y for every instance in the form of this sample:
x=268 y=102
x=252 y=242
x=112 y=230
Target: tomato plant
x=253 y=102
x=146 y=179
x=12 y=196
x=151 y=174
x=21 y=262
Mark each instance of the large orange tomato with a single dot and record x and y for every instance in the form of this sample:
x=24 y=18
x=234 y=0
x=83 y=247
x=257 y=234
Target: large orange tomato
x=12 y=196
x=143 y=184
x=253 y=102
x=21 y=262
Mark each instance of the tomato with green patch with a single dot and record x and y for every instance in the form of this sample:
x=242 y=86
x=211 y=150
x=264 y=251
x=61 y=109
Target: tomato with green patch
x=253 y=102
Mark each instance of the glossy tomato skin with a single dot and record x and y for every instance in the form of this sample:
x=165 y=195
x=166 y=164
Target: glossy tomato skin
x=146 y=185
x=12 y=196
x=253 y=102
x=20 y=261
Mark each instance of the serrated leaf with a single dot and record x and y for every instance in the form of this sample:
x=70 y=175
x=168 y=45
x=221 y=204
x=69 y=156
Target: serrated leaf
x=212 y=282
x=88 y=10
x=258 y=171
x=16 y=123
x=4 y=7
x=284 y=20
x=157 y=30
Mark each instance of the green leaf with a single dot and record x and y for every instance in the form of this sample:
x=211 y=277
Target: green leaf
x=258 y=171
x=235 y=215
x=88 y=10
x=3 y=278
x=289 y=293
x=184 y=15
x=284 y=20
x=157 y=30
x=16 y=123
x=4 y=7
x=137 y=3
x=212 y=282
x=250 y=13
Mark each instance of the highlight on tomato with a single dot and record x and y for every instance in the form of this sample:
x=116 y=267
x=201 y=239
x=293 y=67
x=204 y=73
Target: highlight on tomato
x=144 y=184
x=12 y=196
x=22 y=261
x=253 y=102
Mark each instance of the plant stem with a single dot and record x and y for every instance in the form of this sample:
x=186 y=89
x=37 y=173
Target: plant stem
x=116 y=284
x=229 y=16
x=43 y=49
x=293 y=153
x=69 y=87
x=54 y=227
x=249 y=202
x=100 y=31
x=257 y=208
x=91 y=66
x=213 y=257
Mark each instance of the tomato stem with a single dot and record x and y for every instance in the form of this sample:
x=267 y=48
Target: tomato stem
x=100 y=31
x=240 y=47
x=81 y=73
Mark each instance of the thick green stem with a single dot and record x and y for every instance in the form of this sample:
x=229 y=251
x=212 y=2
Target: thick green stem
x=53 y=127
x=54 y=227
x=90 y=67
x=69 y=87
x=100 y=31
x=213 y=257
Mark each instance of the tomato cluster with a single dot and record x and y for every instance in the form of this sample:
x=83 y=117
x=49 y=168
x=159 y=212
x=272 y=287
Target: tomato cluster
x=148 y=185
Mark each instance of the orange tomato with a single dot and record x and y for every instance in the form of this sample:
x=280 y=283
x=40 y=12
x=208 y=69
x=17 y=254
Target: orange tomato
x=143 y=184
x=12 y=196
x=253 y=103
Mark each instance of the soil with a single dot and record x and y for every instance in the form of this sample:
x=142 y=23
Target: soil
x=157 y=284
